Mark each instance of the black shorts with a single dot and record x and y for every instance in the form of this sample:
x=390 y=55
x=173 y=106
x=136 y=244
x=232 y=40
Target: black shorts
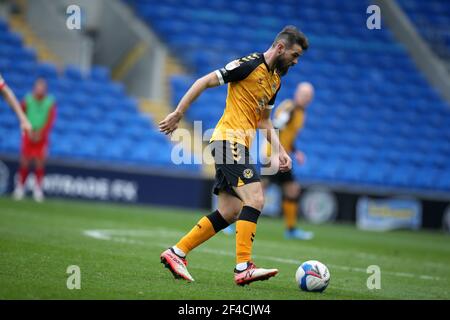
x=281 y=178
x=234 y=166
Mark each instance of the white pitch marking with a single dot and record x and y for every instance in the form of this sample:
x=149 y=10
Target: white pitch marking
x=110 y=234
x=97 y=234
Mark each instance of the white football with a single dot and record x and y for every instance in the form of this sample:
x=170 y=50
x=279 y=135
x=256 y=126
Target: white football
x=312 y=276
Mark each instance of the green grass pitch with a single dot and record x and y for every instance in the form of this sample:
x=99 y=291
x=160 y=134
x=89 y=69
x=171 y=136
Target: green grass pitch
x=117 y=248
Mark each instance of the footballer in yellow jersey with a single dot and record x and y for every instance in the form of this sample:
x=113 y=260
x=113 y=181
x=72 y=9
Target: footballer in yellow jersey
x=289 y=118
x=253 y=83
x=252 y=91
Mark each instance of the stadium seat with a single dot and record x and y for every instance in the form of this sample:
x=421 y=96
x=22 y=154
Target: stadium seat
x=369 y=124
x=83 y=98
x=431 y=20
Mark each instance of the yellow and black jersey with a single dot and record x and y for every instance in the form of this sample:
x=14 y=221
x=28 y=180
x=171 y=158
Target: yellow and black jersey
x=2 y=82
x=289 y=120
x=252 y=88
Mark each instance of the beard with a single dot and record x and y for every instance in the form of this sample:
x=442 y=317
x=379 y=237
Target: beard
x=282 y=66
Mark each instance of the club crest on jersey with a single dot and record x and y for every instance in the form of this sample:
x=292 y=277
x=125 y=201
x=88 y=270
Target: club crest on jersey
x=262 y=103
x=248 y=173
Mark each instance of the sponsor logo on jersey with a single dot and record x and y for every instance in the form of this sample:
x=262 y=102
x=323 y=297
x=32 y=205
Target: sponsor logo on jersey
x=232 y=65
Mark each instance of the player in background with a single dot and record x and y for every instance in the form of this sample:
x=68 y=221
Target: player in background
x=253 y=82
x=289 y=118
x=11 y=99
x=40 y=110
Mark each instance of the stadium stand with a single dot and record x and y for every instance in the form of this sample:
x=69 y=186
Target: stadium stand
x=431 y=19
x=96 y=120
x=375 y=120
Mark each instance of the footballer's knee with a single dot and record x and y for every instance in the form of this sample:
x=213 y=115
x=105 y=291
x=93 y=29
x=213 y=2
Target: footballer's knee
x=292 y=191
x=257 y=201
x=230 y=212
x=229 y=216
x=24 y=162
x=40 y=163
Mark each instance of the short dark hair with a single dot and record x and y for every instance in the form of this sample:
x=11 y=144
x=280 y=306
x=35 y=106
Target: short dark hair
x=292 y=36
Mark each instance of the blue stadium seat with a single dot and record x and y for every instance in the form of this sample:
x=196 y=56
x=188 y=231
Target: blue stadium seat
x=73 y=73
x=46 y=70
x=83 y=99
x=431 y=19
x=370 y=123
x=99 y=73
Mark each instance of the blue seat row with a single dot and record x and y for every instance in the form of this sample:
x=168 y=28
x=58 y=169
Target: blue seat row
x=96 y=119
x=375 y=120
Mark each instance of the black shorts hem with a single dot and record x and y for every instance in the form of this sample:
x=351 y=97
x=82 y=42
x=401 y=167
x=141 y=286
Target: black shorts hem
x=231 y=172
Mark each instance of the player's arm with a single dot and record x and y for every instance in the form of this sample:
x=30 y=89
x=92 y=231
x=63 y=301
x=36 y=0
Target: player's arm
x=170 y=123
x=299 y=155
x=50 y=120
x=265 y=123
x=282 y=115
x=11 y=99
x=236 y=70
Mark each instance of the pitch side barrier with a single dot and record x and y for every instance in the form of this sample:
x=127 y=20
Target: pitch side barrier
x=113 y=183
x=320 y=202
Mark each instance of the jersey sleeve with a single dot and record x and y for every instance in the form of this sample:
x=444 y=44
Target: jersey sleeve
x=238 y=69
x=2 y=82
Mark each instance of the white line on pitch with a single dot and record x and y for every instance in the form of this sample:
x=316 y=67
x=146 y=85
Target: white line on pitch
x=110 y=235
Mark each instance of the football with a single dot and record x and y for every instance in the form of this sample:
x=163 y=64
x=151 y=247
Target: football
x=312 y=276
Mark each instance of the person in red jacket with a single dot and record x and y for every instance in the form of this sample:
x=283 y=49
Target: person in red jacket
x=40 y=109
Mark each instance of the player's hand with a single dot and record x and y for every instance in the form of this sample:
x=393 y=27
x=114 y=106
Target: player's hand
x=285 y=162
x=300 y=157
x=25 y=126
x=170 y=123
x=35 y=136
